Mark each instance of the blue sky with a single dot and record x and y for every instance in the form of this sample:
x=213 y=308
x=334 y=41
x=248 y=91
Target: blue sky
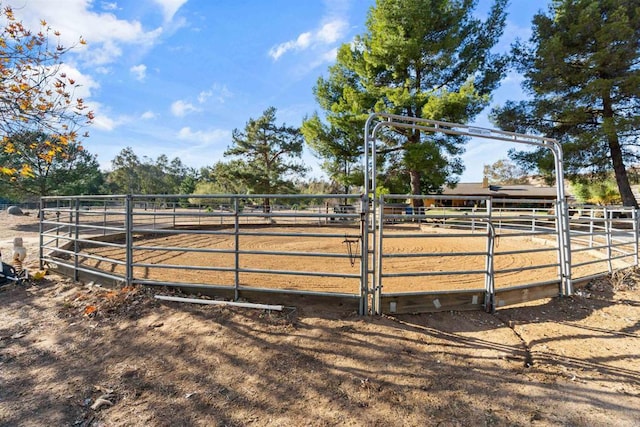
x=175 y=77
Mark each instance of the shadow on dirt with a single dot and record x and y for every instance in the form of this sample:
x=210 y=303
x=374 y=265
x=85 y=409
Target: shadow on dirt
x=180 y=364
x=26 y=228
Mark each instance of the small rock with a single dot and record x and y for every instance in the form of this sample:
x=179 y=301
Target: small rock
x=101 y=402
x=18 y=335
x=14 y=210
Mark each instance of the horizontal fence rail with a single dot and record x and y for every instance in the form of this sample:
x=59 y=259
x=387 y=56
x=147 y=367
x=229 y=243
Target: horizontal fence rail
x=396 y=254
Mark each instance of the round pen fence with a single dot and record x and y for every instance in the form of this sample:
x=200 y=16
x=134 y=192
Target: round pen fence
x=216 y=244
x=454 y=253
x=379 y=254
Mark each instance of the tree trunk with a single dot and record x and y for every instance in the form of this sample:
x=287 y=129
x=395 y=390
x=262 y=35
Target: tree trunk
x=415 y=176
x=628 y=199
x=415 y=188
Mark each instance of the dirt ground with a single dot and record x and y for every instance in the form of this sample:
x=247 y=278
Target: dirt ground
x=77 y=354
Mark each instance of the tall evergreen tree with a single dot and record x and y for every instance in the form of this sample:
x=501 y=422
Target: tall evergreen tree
x=430 y=59
x=269 y=155
x=340 y=151
x=147 y=176
x=125 y=176
x=582 y=70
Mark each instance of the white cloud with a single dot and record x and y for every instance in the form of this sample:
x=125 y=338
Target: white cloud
x=170 y=7
x=322 y=58
x=182 y=108
x=330 y=32
x=219 y=93
x=109 y=5
x=300 y=43
x=102 y=70
x=148 y=115
x=202 y=146
x=204 y=138
x=104 y=122
x=330 y=55
x=204 y=95
x=85 y=83
x=139 y=71
x=104 y=32
x=512 y=78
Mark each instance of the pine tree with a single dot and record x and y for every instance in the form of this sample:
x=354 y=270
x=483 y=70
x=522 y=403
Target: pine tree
x=581 y=68
x=420 y=58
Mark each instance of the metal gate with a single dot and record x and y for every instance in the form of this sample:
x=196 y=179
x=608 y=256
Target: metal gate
x=375 y=218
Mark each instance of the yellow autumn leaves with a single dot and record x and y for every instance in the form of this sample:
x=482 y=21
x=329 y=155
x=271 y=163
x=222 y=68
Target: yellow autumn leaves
x=37 y=99
x=46 y=151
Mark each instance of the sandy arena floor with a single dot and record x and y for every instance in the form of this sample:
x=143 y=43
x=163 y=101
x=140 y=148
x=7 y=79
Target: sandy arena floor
x=452 y=254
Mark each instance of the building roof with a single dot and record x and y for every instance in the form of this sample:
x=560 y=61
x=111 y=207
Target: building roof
x=523 y=191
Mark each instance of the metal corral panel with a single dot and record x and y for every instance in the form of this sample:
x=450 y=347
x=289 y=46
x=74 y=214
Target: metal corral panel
x=432 y=302
x=521 y=294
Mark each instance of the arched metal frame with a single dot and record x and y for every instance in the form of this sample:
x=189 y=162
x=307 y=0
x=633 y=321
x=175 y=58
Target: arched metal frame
x=377 y=121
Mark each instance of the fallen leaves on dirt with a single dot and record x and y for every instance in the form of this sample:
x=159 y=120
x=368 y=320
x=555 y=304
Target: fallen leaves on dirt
x=95 y=301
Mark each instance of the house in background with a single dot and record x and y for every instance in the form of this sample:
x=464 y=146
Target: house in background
x=502 y=193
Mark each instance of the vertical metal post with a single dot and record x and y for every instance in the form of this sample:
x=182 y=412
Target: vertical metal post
x=155 y=212
x=489 y=280
x=489 y=297
x=473 y=219
x=368 y=207
x=76 y=236
x=72 y=202
x=58 y=225
x=104 y=218
x=562 y=223
x=236 y=235
x=364 y=245
x=607 y=230
x=562 y=230
x=591 y=217
x=128 y=224
x=376 y=307
x=559 y=257
x=634 y=215
x=40 y=231
x=489 y=205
